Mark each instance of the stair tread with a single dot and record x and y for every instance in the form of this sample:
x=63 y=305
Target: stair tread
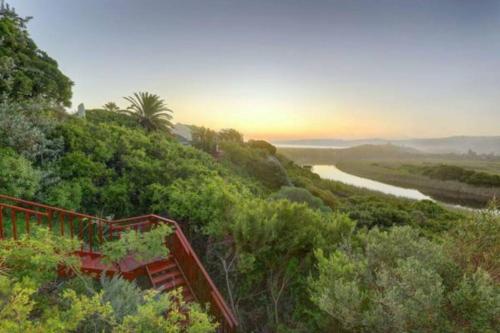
x=163 y=267
x=169 y=285
x=166 y=276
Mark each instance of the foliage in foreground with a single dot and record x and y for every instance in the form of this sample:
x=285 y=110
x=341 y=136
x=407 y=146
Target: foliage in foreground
x=34 y=299
x=397 y=281
x=140 y=245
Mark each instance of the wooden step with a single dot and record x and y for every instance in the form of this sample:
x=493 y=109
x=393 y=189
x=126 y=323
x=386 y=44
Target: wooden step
x=160 y=268
x=165 y=277
x=172 y=284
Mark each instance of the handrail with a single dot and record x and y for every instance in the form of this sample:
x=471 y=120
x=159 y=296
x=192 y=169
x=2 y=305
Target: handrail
x=200 y=281
x=26 y=210
x=218 y=299
x=52 y=208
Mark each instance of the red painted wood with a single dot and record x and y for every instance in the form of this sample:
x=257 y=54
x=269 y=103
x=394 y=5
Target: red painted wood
x=14 y=223
x=1 y=222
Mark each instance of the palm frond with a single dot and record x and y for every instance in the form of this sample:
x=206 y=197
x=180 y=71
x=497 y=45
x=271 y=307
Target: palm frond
x=150 y=110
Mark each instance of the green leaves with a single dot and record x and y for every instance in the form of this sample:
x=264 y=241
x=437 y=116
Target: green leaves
x=38 y=256
x=397 y=281
x=17 y=176
x=150 y=110
x=26 y=71
x=143 y=246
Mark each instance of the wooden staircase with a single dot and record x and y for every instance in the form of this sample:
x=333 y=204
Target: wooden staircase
x=181 y=269
x=166 y=275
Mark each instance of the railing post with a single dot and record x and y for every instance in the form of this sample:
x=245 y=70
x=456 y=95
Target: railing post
x=80 y=231
x=1 y=222
x=111 y=230
x=13 y=221
x=71 y=218
x=27 y=217
x=101 y=239
x=91 y=236
x=49 y=219
x=61 y=221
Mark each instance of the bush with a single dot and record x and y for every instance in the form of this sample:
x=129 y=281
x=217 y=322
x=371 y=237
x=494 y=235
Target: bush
x=230 y=135
x=398 y=281
x=456 y=173
x=38 y=256
x=27 y=128
x=300 y=195
x=18 y=178
x=143 y=246
x=274 y=243
x=263 y=167
x=264 y=145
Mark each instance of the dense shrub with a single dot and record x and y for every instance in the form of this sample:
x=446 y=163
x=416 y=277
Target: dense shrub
x=453 y=172
x=274 y=243
x=104 y=116
x=230 y=135
x=18 y=178
x=27 y=127
x=261 y=144
x=256 y=163
x=300 y=195
x=397 y=281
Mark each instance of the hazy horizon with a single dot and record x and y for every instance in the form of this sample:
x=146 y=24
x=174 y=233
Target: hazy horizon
x=387 y=138
x=284 y=70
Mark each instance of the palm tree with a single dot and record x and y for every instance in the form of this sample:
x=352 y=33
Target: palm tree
x=150 y=111
x=111 y=106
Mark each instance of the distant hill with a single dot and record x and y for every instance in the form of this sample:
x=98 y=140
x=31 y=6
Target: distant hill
x=454 y=144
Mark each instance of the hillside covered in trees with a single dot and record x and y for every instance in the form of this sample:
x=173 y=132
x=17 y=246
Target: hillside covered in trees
x=291 y=252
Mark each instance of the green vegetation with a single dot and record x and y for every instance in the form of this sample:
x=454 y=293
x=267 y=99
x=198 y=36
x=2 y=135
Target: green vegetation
x=291 y=252
x=141 y=246
x=25 y=70
x=453 y=172
x=34 y=299
x=150 y=111
x=396 y=281
x=111 y=106
x=300 y=195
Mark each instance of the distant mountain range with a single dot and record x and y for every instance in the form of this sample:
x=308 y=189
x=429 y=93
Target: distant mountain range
x=453 y=144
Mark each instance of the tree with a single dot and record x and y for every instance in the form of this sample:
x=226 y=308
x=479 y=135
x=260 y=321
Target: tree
x=231 y=135
x=264 y=145
x=25 y=70
x=111 y=106
x=275 y=242
x=150 y=111
x=204 y=139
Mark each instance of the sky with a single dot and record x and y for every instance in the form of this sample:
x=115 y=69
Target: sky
x=286 y=69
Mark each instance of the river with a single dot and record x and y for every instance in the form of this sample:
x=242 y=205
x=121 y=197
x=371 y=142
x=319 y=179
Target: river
x=331 y=172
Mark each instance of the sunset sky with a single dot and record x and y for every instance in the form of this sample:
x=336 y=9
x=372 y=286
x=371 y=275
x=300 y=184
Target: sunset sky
x=286 y=69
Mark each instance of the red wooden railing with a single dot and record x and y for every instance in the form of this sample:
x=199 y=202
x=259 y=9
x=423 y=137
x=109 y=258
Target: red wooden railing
x=16 y=216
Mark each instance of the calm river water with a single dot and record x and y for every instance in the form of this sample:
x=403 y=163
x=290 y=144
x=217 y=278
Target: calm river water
x=331 y=172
